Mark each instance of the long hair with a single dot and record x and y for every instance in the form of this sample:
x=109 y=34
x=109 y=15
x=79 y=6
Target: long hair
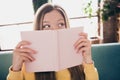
x=77 y=72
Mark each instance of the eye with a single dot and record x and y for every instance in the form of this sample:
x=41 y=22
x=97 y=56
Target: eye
x=61 y=25
x=46 y=26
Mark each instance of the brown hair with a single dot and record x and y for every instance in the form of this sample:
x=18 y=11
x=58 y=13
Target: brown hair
x=46 y=8
x=77 y=72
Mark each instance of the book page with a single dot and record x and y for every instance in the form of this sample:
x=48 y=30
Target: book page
x=45 y=44
x=67 y=53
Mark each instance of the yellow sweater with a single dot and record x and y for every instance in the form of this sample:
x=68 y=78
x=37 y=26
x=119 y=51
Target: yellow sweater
x=89 y=69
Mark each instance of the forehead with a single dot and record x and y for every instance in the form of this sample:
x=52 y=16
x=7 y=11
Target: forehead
x=54 y=14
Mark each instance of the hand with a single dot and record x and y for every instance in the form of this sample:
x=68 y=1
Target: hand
x=22 y=54
x=83 y=45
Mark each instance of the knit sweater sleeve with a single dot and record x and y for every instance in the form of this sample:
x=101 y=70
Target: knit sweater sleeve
x=91 y=72
x=14 y=75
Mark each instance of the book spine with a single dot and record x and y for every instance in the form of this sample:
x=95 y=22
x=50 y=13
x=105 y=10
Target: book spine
x=58 y=47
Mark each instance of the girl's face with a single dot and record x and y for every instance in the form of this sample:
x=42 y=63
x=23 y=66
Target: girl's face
x=53 y=20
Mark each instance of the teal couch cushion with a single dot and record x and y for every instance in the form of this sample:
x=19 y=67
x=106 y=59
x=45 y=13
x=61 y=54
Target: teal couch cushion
x=107 y=60
x=5 y=63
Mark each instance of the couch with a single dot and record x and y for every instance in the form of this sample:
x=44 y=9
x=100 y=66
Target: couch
x=106 y=59
x=5 y=62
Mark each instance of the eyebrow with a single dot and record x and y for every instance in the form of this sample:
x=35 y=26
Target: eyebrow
x=57 y=20
x=60 y=20
x=45 y=21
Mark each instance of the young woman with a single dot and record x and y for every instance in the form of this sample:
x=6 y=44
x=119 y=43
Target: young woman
x=52 y=17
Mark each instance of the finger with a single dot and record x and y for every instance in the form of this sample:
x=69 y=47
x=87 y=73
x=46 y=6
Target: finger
x=22 y=43
x=85 y=35
x=28 y=56
x=25 y=59
x=25 y=50
x=78 y=42
x=81 y=46
x=82 y=50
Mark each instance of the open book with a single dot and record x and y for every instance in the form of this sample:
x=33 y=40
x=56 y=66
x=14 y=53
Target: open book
x=55 y=50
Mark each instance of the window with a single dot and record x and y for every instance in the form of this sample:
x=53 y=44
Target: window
x=75 y=11
x=75 y=8
x=15 y=11
x=10 y=35
x=17 y=15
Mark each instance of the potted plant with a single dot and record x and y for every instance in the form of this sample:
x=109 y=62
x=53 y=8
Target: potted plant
x=110 y=8
x=110 y=13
